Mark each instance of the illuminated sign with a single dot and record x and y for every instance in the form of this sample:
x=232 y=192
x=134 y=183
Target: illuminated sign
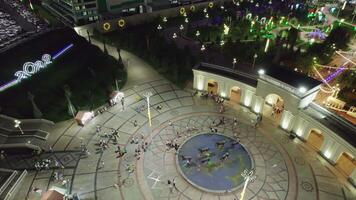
x=30 y=68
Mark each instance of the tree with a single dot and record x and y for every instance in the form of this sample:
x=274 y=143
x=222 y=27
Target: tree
x=340 y=36
x=292 y=37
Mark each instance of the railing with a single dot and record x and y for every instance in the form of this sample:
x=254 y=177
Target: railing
x=8 y=181
x=250 y=79
x=333 y=116
x=14 y=187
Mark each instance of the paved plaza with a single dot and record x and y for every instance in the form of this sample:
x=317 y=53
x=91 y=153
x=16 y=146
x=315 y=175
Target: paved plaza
x=284 y=168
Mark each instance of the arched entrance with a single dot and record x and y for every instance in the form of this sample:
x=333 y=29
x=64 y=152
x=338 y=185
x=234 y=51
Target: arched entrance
x=213 y=87
x=346 y=163
x=273 y=107
x=315 y=138
x=235 y=94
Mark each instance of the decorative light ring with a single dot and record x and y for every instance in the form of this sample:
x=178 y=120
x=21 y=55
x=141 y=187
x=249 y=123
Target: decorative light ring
x=211 y=4
x=106 y=26
x=121 y=23
x=192 y=8
x=182 y=10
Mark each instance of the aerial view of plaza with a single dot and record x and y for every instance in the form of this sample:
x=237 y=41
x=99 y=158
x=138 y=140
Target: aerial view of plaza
x=178 y=100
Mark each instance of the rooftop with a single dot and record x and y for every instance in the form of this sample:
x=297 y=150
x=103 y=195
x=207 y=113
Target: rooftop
x=229 y=73
x=340 y=126
x=292 y=78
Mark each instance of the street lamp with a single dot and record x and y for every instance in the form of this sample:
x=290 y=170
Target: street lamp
x=17 y=125
x=342 y=8
x=202 y=48
x=159 y=27
x=254 y=60
x=234 y=61
x=248 y=177
x=261 y=71
x=197 y=33
x=174 y=35
x=148 y=95
x=181 y=27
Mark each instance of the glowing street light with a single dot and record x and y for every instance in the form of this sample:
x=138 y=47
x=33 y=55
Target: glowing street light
x=159 y=27
x=234 y=61
x=302 y=89
x=148 y=95
x=174 y=35
x=17 y=125
x=222 y=42
x=254 y=60
x=197 y=33
x=267 y=45
x=186 y=20
x=248 y=177
x=164 y=19
x=342 y=8
x=202 y=48
x=261 y=71
x=181 y=27
x=207 y=15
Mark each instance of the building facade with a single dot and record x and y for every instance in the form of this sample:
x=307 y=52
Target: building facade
x=80 y=12
x=74 y=12
x=288 y=105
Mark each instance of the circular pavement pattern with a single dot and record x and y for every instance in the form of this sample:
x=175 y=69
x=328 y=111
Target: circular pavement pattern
x=213 y=162
x=159 y=161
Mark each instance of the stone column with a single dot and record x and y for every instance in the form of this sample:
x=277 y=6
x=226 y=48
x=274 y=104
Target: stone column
x=246 y=98
x=258 y=103
x=286 y=122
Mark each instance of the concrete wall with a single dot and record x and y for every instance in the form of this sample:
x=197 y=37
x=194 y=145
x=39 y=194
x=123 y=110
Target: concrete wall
x=291 y=101
x=202 y=78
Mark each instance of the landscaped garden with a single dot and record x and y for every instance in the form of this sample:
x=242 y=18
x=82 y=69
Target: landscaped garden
x=83 y=76
x=295 y=35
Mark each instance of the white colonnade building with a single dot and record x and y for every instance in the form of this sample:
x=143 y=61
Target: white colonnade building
x=289 y=95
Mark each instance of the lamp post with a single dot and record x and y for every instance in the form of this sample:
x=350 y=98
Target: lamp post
x=17 y=125
x=234 y=61
x=248 y=177
x=254 y=61
x=342 y=8
x=148 y=95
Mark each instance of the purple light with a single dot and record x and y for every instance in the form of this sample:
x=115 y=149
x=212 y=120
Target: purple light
x=333 y=75
x=62 y=51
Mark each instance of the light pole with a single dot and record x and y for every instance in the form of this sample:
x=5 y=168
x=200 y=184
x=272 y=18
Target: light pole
x=234 y=61
x=17 y=125
x=248 y=177
x=148 y=95
x=254 y=61
x=342 y=8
